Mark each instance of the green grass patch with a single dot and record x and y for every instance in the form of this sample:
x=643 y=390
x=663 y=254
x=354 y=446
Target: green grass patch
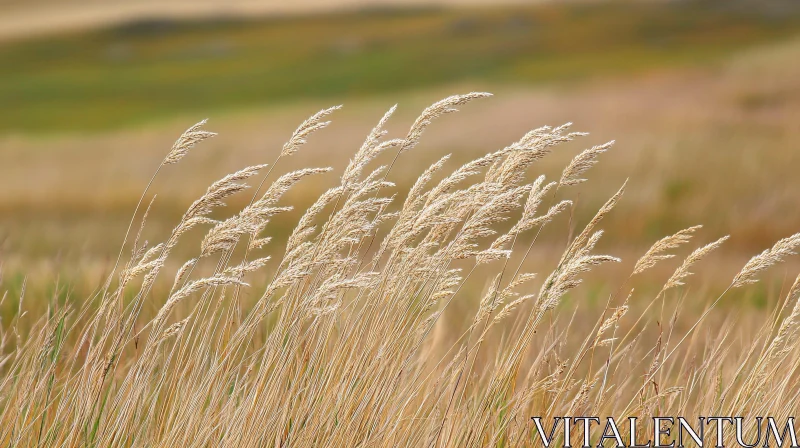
x=148 y=70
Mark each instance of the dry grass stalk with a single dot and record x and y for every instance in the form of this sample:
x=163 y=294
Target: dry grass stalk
x=656 y=251
x=187 y=141
x=765 y=259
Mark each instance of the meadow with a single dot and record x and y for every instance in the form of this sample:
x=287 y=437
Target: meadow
x=431 y=289
x=87 y=113
x=360 y=333
x=146 y=70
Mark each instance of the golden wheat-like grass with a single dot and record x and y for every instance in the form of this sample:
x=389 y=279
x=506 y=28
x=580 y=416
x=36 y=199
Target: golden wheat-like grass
x=345 y=343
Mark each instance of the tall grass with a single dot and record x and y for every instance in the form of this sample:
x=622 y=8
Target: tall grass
x=347 y=343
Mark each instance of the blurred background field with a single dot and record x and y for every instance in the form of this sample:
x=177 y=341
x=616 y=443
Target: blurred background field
x=702 y=97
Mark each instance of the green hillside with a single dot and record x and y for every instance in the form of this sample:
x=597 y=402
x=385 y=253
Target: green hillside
x=148 y=70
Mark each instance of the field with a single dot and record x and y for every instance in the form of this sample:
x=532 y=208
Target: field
x=681 y=157
x=702 y=98
x=147 y=70
x=85 y=130
x=361 y=333
x=367 y=335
